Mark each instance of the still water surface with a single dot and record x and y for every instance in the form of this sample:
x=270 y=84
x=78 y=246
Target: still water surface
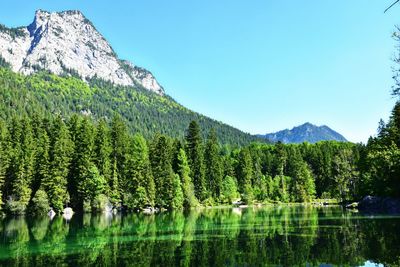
x=268 y=236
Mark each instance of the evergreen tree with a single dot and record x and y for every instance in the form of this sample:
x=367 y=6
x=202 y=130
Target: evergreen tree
x=102 y=150
x=176 y=147
x=74 y=125
x=183 y=171
x=194 y=152
x=280 y=159
x=213 y=165
x=84 y=152
x=92 y=185
x=118 y=144
x=178 y=198
x=56 y=183
x=20 y=177
x=42 y=160
x=161 y=165
x=138 y=172
x=244 y=175
x=4 y=157
x=344 y=174
x=303 y=186
x=229 y=191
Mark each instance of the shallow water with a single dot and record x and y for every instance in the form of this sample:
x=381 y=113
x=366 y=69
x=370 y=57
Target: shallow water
x=268 y=236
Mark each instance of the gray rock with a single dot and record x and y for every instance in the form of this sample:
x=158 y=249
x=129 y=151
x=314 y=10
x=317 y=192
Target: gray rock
x=51 y=214
x=66 y=42
x=380 y=204
x=68 y=213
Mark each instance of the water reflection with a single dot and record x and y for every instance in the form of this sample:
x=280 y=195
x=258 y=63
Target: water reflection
x=284 y=236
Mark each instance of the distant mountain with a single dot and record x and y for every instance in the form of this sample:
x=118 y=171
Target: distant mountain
x=305 y=133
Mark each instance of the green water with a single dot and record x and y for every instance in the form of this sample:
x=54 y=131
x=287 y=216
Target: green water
x=268 y=236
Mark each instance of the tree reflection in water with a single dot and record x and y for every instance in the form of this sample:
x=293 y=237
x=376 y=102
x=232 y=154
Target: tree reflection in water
x=279 y=235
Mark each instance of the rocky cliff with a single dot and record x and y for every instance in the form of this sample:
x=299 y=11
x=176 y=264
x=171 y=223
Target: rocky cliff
x=68 y=43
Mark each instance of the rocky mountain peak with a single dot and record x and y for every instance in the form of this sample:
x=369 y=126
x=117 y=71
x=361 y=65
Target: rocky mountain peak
x=67 y=42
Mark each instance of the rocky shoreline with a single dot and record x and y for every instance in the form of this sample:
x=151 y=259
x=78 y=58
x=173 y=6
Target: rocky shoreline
x=372 y=204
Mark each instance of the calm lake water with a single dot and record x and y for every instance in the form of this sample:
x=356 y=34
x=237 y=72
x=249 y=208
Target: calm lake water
x=268 y=236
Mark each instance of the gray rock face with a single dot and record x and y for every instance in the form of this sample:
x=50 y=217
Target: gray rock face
x=65 y=42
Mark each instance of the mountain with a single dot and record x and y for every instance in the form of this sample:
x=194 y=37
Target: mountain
x=67 y=42
x=305 y=133
x=61 y=65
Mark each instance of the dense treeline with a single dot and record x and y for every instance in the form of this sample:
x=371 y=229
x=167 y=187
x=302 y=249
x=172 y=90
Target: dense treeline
x=97 y=165
x=143 y=111
x=380 y=159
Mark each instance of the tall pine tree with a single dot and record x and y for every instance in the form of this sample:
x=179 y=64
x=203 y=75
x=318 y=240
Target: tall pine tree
x=102 y=152
x=194 y=151
x=138 y=171
x=213 y=165
x=119 y=141
x=183 y=171
x=55 y=184
x=161 y=163
x=244 y=175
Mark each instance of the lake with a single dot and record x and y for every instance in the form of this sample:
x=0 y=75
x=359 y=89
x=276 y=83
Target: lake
x=267 y=236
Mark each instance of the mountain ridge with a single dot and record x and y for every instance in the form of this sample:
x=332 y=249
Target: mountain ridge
x=306 y=132
x=67 y=42
x=63 y=91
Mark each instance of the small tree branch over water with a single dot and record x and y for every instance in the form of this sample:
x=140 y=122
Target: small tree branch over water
x=391 y=5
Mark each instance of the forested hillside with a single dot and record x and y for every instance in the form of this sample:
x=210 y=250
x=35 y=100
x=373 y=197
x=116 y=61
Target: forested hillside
x=142 y=111
x=67 y=143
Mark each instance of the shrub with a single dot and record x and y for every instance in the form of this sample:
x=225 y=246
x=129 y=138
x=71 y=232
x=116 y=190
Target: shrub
x=39 y=204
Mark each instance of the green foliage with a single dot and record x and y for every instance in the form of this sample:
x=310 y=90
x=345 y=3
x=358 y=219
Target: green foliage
x=190 y=199
x=281 y=188
x=194 y=152
x=102 y=151
x=51 y=155
x=119 y=141
x=380 y=160
x=138 y=170
x=161 y=164
x=55 y=184
x=13 y=32
x=92 y=185
x=178 y=198
x=20 y=174
x=229 y=191
x=213 y=168
x=91 y=166
x=245 y=175
x=100 y=203
x=142 y=111
x=136 y=200
x=4 y=63
x=40 y=203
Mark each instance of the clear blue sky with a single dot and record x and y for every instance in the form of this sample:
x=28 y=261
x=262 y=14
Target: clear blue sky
x=260 y=66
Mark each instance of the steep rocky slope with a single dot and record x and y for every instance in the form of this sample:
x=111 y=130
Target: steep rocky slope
x=67 y=43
